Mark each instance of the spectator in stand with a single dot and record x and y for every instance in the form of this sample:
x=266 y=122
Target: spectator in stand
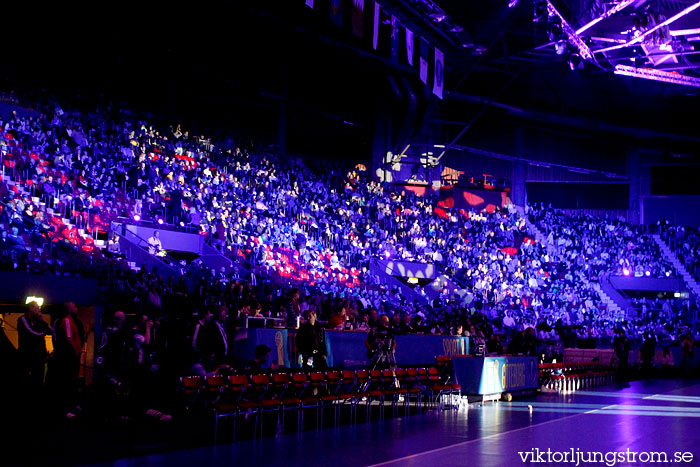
x=155 y=247
x=113 y=246
x=396 y=323
x=293 y=308
x=407 y=326
x=15 y=239
x=363 y=325
x=494 y=346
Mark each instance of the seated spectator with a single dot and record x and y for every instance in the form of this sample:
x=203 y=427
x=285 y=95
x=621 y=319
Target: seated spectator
x=113 y=246
x=155 y=247
x=261 y=355
x=15 y=239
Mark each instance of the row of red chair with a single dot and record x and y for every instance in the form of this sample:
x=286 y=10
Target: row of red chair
x=242 y=396
x=572 y=377
x=564 y=365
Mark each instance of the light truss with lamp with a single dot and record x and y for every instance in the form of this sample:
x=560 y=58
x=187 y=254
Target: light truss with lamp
x=573 y=37
x=619 y=7
x=657 y=75
x=641 y=37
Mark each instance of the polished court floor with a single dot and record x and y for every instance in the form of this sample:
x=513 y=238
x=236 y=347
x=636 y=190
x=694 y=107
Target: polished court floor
x=642 y=416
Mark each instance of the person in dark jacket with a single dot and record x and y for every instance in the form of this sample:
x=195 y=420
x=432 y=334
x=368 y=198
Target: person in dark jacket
x=293 y=308
x=648 y=351
x=214 y=338
x=31 y=333
x=622 y=349
x=311 y=343
x=110 y=356
x=69 y=337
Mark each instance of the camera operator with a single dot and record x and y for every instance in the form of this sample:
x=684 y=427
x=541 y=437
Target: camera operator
x=381 y=344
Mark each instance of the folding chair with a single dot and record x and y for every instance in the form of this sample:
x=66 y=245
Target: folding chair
x=308 y=399
x=336 y=386
x=407 y=378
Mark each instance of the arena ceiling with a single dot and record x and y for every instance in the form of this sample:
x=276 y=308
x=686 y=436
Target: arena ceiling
x=217 y=62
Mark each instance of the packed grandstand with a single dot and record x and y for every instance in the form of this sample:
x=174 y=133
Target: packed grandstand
x=70 y=175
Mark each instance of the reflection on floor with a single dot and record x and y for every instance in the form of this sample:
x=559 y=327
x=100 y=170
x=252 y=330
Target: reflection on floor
x=644 y=416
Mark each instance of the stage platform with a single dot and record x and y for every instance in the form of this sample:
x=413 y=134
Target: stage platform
x=642 y=416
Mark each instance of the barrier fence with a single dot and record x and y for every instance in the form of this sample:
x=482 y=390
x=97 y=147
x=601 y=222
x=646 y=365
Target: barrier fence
x=347 y=348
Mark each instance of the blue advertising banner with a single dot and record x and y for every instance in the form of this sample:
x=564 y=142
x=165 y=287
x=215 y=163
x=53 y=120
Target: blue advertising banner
x=347 y=348
x=415 y=349
x=493 y=375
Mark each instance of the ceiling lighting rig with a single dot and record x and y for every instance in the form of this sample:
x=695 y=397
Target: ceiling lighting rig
x=657 y=75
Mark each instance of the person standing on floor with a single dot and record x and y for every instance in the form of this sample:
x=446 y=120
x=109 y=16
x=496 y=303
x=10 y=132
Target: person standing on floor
x=311 y=343
x=69 y=337
x=31 y=334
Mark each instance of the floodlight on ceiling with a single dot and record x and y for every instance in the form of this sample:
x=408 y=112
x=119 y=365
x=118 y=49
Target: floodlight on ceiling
x=572 y=36
x=650 y=31
x=575 y=62
x=554 y=30
x=560 y=47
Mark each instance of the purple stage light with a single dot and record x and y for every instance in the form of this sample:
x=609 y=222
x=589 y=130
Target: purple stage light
x=387 y=254
x=160 y=221
x=626 y=272
x=647 y=273
x=182 y=224
x=137 y=217
x=668 y=273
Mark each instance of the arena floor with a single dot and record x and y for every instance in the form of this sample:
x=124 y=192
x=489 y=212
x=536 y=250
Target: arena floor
x=642 y=416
